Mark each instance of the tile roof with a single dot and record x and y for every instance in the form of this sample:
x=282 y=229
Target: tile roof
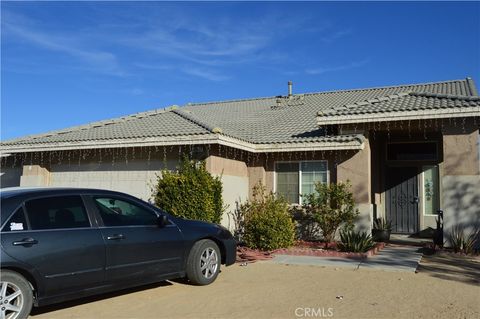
x=259 y=121
x=141 y=125
x=416 y=104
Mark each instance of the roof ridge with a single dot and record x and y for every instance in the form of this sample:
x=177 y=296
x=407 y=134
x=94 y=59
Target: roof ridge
x=190 y=117
x=327 y=92
x=387 y=86
x=446 y=96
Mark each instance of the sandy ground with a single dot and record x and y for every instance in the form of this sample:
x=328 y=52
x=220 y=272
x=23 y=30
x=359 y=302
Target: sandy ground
x=267 y=290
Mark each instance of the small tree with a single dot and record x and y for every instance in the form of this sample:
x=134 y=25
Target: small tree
x=191 y=192
x=267 y=222
x=331 y=205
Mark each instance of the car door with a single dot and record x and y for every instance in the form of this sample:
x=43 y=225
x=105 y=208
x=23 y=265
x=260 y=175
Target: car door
x=54 y=235
x=135 y=244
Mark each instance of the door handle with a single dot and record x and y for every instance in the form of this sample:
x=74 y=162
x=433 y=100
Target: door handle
x=116 y=237
x=415 y=200
x=25 y=242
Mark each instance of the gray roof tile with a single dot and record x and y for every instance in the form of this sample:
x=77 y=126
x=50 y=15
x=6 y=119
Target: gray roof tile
x=267 y=120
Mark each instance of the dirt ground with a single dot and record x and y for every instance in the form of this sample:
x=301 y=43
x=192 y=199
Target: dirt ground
x=267 y=290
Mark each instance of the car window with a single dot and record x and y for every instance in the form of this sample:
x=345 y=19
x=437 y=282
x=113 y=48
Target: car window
x=17 y=222
x=57 y=212
x=117 y=212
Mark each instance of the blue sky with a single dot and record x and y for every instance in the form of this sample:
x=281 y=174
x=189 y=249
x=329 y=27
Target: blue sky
x=65 y=64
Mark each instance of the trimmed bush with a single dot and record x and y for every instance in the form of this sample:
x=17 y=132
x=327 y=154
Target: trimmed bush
x=355 y=242
x=331 y=205
x=191 y=192
x=267 y=222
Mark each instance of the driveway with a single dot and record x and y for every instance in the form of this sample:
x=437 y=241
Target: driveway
x=269 y=290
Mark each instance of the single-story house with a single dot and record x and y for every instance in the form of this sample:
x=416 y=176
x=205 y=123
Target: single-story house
x=407 y=150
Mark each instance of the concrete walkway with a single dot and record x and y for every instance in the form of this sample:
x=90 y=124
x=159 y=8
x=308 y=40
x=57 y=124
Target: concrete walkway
x=391 y=258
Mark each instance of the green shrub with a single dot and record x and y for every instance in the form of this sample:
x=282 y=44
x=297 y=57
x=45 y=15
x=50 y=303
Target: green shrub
x=461 y=242
x=331 y=205
x=191 y=192
x=355 y=242
x=267 y=222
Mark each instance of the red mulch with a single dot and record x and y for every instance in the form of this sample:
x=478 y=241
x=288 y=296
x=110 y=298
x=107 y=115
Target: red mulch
x=245 y=254
x=302 y=248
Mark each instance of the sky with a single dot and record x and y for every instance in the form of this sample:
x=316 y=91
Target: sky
x=66 y=64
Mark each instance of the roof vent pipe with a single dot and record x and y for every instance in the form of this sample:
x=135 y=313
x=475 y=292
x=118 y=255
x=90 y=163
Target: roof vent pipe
x=290 y=88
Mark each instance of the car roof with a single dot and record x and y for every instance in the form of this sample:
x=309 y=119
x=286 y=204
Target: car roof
x=22 y=191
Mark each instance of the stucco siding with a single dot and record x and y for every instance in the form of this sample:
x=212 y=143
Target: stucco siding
x=234 y=176
x=461 y=203
x=135 y=178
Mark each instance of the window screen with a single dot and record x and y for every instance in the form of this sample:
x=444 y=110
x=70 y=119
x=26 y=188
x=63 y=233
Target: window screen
x=287 y=181
x=312 y=173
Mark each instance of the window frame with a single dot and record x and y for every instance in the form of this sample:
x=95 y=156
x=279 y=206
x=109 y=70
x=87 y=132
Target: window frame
x=299 y=176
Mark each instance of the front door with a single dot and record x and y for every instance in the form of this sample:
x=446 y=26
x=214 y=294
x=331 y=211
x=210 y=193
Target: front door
x=402 y=199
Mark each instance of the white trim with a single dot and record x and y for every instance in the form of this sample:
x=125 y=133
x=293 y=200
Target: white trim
x=191 y=140
x=299 y=162
x=398 y=116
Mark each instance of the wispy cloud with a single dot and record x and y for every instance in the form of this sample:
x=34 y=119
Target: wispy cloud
x=205 y=74
x=343 y=67
x=22 y=28
x=163 y=42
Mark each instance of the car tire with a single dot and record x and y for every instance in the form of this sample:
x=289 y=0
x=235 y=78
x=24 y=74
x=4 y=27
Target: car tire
x=203 y=263
x=14 y=284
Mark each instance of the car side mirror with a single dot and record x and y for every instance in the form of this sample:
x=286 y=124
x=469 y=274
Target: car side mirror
x=162 y=221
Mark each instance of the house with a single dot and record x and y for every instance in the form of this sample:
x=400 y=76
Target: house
x=407 y=150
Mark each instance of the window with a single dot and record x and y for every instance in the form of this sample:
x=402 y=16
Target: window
x=17 y=222
x=431 y=199
x=413 y=151
x=294 y=179
x=117 y=212
x=57 y=212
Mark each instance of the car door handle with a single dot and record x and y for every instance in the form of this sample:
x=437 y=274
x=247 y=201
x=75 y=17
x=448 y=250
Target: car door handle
x=25 y=242
x=116 y=237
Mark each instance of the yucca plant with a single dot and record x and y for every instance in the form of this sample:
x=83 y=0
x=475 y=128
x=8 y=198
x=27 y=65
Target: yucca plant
x=461 y=242
x=356 y=242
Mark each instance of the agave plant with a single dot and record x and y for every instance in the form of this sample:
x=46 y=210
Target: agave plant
x=357 y=242
x=461 y=242
x=382 y=224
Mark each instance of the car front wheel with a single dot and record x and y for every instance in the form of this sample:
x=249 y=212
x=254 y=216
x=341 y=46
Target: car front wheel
x=203 y=264
x=16 y=297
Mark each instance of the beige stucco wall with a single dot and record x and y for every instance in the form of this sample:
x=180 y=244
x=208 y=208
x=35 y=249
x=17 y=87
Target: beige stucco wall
x=461 y=200
x=460 y=151
x=460 y=172
x=234 y=176
x=35 y=175
x=135 y=177
x=357 y=170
